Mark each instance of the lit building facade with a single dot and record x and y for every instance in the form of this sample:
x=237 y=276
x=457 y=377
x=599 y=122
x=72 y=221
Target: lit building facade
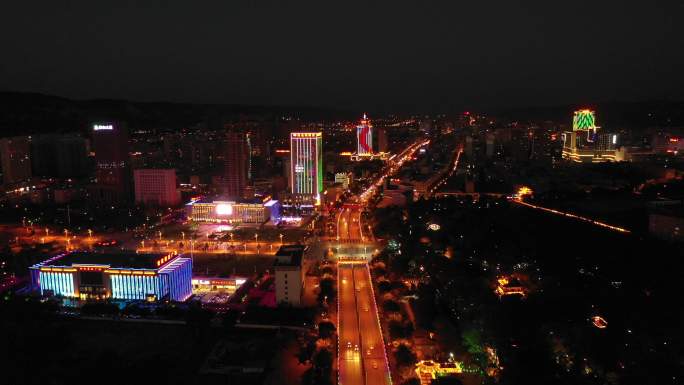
x=202 y=285
x=156 y=187
x=124 y=276
x=289 y=276
x=306 y=164
x=112 y=163
x=585 y=144
x=364 y=137
x=344 y=178
x=242 y=211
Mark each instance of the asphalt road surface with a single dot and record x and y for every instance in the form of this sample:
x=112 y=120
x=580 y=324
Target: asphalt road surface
x=362 y=358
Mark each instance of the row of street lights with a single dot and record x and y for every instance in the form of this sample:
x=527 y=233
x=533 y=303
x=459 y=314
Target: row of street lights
x=192 y=241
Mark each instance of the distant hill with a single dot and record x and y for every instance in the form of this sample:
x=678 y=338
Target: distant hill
x=613 y=115
x=32 y=113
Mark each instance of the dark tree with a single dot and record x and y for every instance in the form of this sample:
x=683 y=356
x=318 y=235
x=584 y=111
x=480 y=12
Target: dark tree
x=448 y=380
x=405 y=356
x=384 y=286
x=390 y=306
x=411 y=381
x=323 y=360
x=327 y=287
x=400 y=330
x=326 y=329
x=306 y=352
x=230 y=318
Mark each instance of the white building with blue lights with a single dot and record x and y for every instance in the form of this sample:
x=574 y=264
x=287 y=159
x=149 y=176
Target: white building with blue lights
x=119 y=276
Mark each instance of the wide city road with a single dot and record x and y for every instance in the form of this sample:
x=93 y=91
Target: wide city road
x=362 y=359
x=349 y=224
x=349 y=362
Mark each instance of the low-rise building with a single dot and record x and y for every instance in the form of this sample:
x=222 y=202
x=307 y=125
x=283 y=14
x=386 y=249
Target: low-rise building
x=119 y=276
x=344 y=178
x=236 y=211
x=289 y=275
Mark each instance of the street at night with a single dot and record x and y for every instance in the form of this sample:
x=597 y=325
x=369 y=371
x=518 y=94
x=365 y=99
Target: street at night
x=319 y=193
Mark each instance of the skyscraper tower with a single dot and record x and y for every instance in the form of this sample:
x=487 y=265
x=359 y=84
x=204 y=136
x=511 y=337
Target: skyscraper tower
x=585 y=144
x=585 y=120
x=236 y=164
x=112 y=164
x=306 y=164
x=364 y=137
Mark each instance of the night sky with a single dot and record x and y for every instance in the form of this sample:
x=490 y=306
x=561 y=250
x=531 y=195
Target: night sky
x=389 y=55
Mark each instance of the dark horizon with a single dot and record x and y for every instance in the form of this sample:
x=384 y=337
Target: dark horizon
x=358 y=57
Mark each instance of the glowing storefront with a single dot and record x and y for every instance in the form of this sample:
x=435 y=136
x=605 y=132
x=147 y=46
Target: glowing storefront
x=122 y=276
x=234 y=211
x=229 y=285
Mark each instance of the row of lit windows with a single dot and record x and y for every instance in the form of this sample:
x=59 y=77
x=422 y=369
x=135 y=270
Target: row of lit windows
x=134 y=286
x=245 y=213
x=58 y=283
x=179 y=280
x=306 y=162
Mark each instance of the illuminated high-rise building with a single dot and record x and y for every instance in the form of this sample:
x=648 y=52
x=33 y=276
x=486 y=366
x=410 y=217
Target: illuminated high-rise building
x=585 y=120
x=306 y=164
x=364 y=137
x=112 y=164
x=236 y=164
x=585 y=144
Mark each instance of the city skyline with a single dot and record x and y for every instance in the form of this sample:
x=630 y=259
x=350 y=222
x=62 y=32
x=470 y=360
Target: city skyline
x=357 y=193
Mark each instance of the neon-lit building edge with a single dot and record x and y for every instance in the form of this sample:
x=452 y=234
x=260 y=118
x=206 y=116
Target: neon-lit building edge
x=119 y=276
x=306 y=164
x=585 y=144
x=364 y=137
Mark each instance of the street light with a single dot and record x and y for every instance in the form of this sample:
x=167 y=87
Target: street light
x=160 y=236
x=183 y=235
x=281 y=239
x=90 y=233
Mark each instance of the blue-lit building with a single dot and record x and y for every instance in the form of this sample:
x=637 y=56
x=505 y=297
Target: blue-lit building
x=122 y=276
